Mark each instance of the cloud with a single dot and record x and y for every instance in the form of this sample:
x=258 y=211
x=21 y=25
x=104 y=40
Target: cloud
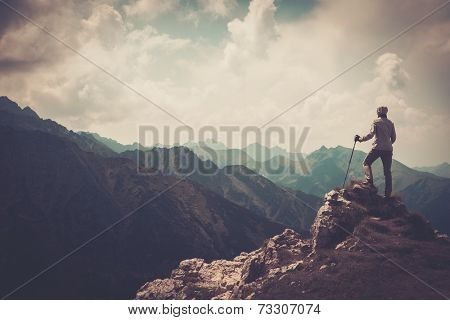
x=388 y=68
x=30 y=48
x=105 y=24
x=218 y=8
x=9 y=19
x=250 y=37
x=72 y=91
x=149 y=9
x=259 y=67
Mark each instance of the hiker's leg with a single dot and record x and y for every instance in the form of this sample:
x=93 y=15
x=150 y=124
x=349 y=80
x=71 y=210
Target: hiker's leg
x=370 y=158
x=386 y=157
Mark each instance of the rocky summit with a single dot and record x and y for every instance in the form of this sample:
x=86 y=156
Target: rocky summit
x=362 y=246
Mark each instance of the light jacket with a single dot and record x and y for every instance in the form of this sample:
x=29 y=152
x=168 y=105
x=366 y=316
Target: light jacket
x=384 y=131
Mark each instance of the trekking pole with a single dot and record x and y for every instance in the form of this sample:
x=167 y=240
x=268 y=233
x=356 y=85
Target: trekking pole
x=350 y=161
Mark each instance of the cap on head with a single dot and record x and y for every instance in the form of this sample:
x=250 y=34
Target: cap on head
x=382 y=111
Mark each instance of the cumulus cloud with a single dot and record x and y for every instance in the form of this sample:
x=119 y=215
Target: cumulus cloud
x=105 y=24
x=27 y=47
x=251 y=36
x=388 y=68
x=69 y=89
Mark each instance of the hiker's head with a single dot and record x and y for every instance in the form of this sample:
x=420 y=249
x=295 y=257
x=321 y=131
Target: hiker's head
x=382 y=111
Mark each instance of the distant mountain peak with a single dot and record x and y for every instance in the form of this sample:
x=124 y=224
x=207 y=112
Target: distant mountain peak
x=4 y=99
x=30 y=112
x=8 y=105
x=27 y=119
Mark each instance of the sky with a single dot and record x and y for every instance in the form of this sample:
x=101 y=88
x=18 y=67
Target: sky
x=219 y=62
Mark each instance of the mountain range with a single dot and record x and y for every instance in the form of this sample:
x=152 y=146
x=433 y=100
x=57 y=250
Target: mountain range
x=60 y=189
x=56 y=196
x=325 y=169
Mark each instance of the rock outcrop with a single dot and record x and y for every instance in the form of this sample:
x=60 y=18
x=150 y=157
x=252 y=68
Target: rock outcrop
x=362 y=247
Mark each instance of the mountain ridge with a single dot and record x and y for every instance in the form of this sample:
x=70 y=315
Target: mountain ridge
x=66 y=195
x=236 y=183
x=27 y=119
x=441 y=170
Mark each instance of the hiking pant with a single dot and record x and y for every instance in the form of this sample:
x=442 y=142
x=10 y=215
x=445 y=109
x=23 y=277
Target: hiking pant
x=386 y=158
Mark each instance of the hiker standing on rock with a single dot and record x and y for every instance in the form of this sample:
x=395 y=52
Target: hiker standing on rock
x=384 y=131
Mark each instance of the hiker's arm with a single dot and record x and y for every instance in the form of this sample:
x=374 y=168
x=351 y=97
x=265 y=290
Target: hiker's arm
x=393 y=134
x=369 y=135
